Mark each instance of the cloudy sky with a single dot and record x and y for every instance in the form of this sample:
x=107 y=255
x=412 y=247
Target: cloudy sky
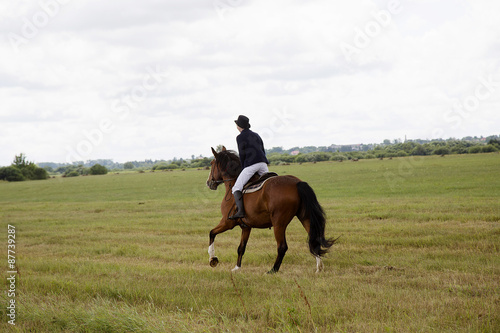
x=133 y=80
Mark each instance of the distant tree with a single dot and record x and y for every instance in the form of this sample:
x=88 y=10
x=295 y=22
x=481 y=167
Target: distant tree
x=488 y=149
x=61 y=169
x=402 y=153
x=345 y=149
x=419 y=150
x=320 y=157
x=98 y=169
x=165 y=166
x=407 y=146
x=20 y=161
x=76 y=170
x=22 y=169
x=40 y=173
x=494 y=142
x=309 y=149
x=275 y=150
x=338 y=157
x=474 y=149
x=11 y=174
x=72 y=173
x=441 y=151
x=201 y=163
x=129 y=165
x=28 y=170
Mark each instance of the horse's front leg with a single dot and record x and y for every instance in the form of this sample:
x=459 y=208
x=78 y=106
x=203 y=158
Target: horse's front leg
x=223 y=225
x=245 y=234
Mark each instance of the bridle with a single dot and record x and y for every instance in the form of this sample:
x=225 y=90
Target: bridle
x=218 y=182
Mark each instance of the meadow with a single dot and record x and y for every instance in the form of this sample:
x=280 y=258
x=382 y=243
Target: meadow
x=418 y=252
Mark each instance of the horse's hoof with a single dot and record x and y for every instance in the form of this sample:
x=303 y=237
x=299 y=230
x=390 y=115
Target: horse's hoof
x=272 y=271
x=214 y=261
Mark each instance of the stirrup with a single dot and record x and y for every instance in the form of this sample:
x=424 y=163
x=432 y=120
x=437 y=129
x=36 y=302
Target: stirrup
x=241 y=223
x=235 y=216
x=239 y=220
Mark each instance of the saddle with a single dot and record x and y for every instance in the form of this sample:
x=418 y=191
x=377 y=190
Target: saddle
x=256 y=185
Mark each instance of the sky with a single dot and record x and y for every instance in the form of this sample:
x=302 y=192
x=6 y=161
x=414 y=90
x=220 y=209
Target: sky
x=151 y=79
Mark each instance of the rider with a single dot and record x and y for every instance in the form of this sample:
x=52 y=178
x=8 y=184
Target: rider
x=253 y=160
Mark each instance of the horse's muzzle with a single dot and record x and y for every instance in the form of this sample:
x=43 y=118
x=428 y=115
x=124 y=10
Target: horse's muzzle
x=212 y=185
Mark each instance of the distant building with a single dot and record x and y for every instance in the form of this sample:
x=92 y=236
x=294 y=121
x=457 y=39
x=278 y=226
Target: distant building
x=352 y=147
x=295 y=153
x=356 y=147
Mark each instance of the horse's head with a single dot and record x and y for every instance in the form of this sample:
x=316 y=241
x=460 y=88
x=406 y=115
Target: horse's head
x=225 y=166
x=215 y=176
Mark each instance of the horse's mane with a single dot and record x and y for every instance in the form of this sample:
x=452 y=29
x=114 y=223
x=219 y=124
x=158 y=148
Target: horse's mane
x=229 y=161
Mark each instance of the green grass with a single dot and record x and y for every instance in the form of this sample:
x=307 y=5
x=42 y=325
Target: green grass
x=419 y=252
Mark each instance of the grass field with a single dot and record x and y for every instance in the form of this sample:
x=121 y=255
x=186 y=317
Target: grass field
x=419 y=252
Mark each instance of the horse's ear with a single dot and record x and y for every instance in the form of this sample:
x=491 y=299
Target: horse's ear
x=214 y=152
x=223 y=148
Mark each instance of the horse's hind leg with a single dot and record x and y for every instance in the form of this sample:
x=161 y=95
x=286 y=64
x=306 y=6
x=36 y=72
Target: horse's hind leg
x=319 y=262
x=279 y=234
x=245 y=234
x=224 y=225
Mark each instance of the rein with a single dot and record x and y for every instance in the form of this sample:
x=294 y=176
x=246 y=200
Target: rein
x=222 y=181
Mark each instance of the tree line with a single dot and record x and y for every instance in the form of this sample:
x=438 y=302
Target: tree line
x=22 y=169
x=80 y=170
x=396 y=149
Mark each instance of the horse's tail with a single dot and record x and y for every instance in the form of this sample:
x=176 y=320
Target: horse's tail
x=312 y=210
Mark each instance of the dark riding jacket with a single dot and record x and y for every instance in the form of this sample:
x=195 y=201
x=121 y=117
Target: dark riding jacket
x=250 y=148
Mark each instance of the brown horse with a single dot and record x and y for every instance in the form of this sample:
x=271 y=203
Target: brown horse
x=275 y=205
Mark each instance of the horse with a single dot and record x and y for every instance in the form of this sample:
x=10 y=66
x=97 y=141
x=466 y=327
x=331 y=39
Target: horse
x=274 y=206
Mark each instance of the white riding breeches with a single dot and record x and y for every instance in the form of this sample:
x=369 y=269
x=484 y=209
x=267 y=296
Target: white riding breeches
x=247 y=173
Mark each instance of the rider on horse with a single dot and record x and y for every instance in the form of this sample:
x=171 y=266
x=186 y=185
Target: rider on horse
x=253 y=160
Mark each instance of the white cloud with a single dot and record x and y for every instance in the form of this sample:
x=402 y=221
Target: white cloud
x=90 y=62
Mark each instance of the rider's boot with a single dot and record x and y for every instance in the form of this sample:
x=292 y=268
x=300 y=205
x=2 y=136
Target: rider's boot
x=238 y=198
